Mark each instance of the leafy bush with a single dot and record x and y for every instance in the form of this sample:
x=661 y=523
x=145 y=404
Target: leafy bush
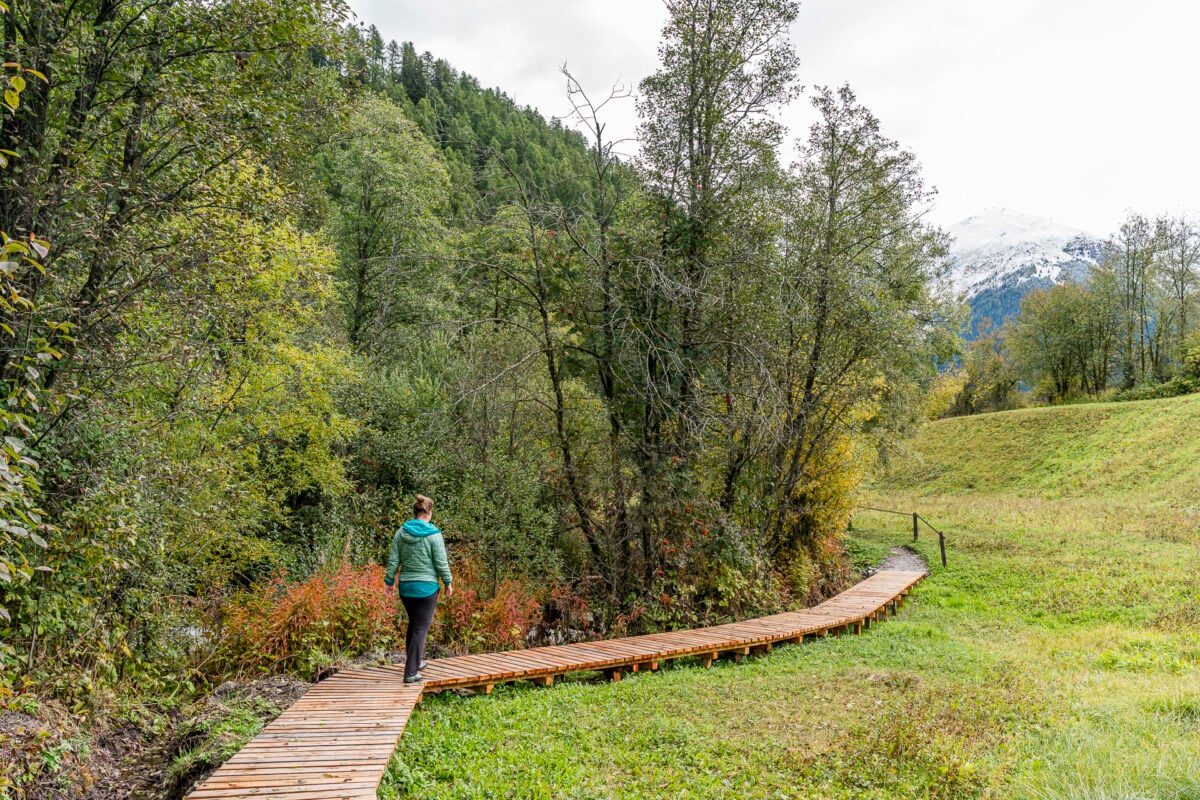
x=474 y=620
x=943 y=390
x=1191 y=357
x=713 y=571
x=303 y=627
x=810 y=557
x=1179 y=385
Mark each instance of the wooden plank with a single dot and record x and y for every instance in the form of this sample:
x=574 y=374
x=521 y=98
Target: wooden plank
x=273 y=784
x=269 y=774
x=292 y=793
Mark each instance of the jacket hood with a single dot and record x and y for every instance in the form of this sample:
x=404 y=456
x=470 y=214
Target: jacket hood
x=419 y=528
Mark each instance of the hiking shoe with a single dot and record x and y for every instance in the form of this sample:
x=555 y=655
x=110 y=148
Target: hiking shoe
x=424 y=664
x=418 y=678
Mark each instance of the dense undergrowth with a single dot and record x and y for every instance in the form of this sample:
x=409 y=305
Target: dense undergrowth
x=1057 y=657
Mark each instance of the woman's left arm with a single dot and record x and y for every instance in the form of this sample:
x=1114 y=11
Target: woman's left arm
x=393 y=560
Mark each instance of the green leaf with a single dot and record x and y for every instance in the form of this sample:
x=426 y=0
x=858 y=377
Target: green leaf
x=38 y=540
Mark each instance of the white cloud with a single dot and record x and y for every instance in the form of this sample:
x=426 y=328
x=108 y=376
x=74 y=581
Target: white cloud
x=1074 y=109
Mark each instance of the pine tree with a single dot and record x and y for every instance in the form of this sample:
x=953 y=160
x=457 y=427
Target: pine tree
x=413 y=74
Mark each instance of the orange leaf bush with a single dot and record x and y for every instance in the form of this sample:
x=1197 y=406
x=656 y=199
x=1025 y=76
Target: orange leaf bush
x=472 y=622
x=303 y=627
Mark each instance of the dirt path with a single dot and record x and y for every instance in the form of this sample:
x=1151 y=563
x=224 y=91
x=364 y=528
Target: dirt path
x=904 y=559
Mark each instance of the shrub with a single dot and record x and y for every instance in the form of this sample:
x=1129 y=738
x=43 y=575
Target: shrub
x=942 y=392
x=476 y=619
x=1175 y=387
x=303 y=627
x=713 y=570
x=720 y=591
x=810 y=556
x=1191 y=357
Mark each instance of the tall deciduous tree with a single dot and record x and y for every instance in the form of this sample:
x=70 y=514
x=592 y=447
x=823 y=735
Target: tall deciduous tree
x=1179 y=271
x=1098 y=335
x=1049 y=340
x=390 y=189
x=989 y=379
x=858 y=321
x=150 y=157
x=1127 y=266
x=708 y=146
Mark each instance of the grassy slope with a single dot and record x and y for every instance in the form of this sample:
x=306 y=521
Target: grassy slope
x=1147 y=453
x=1058 y=657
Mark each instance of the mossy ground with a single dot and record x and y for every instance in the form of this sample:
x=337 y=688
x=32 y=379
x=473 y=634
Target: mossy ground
x=1057 y=657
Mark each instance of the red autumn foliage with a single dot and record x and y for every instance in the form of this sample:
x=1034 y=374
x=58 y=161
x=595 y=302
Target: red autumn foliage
x=305 y=626
x=474 y=620
x=302 y=627
x=625 y=621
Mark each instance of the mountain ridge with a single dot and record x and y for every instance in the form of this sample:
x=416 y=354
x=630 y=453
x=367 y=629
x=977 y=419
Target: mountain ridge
x=998 y=256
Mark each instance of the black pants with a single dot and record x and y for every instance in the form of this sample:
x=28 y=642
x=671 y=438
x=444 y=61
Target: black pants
x=420 y=617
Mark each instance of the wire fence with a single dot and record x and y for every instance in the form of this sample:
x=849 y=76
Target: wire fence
x=917 y=522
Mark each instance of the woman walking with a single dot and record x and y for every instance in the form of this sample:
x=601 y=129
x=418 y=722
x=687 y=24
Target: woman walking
x=419 y=552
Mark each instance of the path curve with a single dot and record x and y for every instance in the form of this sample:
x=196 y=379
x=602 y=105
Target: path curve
x=335 y=742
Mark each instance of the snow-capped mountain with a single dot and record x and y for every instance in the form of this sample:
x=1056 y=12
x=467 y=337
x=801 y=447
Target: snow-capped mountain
x=999 y=256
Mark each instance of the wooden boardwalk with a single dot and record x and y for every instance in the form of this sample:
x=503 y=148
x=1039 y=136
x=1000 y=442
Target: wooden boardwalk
x=335 y=742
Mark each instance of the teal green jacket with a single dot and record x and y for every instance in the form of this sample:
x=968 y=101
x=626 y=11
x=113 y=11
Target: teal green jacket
x=419 y=548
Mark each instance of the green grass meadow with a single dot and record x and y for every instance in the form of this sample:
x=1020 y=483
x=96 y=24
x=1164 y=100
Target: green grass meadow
x=1057 y=657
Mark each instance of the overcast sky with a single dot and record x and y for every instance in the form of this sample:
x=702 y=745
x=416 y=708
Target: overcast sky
x=1079 y=110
